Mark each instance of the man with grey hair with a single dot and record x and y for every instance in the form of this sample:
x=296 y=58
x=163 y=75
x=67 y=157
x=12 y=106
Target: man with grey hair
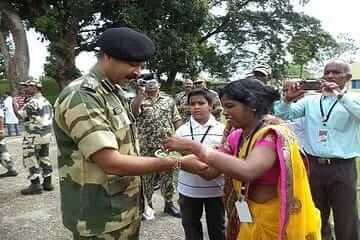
x=331 y=124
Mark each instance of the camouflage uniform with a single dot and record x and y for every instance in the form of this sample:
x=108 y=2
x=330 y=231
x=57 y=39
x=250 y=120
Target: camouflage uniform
x=155 y=122
x=5 y=159
x=92 y=114
x=181 y=100
x=37 y=115
x=217 y=107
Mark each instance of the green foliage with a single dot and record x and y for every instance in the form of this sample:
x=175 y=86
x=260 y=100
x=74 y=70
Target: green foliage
x=295 y=71
x=309 y=42
x=189 y=36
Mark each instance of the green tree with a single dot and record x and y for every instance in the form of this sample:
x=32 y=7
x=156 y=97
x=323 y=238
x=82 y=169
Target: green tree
x=189 y=35
x=308 y=43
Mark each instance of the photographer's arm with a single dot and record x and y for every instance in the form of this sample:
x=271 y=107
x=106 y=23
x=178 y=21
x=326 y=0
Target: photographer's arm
x=137 y=101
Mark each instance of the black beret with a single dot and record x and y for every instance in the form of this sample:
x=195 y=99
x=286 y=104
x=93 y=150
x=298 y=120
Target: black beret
x=126 y=44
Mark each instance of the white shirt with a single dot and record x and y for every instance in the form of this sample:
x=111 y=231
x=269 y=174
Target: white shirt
x=10 y=117
x=192 y=185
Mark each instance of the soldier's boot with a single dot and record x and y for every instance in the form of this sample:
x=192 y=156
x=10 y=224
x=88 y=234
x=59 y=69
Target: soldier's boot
x=34 y=188
x=47 y=186
x=10 y=173
x=172 y=210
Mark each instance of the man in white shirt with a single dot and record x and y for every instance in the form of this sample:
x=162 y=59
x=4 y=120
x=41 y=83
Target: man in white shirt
x=195 y=193
x=5 y=159
x=10 y=117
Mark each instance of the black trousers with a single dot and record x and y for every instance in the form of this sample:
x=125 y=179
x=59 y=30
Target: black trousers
x=334 y=186
x=191 y=212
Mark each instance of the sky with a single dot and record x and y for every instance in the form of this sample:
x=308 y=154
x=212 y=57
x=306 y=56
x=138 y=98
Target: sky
x=336 y=17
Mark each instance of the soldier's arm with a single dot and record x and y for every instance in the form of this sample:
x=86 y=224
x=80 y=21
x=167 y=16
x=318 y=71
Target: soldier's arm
x=85 y=120
x=176 y=118
x=112 y=162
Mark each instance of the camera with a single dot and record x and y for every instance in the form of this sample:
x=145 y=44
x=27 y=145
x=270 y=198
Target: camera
x=144 y=78
x=310 y=85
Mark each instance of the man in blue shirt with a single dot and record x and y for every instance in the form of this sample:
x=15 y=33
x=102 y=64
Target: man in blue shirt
x=331 y=141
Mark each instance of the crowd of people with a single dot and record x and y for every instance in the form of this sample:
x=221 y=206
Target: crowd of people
x=238 y=153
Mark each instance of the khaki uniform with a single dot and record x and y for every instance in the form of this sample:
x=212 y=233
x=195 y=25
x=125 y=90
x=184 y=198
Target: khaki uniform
x=217 y=107
x=181 y=100
x=155 y=122
x=92 y=114
x=37 y=115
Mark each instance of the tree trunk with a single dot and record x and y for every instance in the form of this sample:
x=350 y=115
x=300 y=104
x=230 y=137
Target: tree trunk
x=17 y=69
x=170 y=79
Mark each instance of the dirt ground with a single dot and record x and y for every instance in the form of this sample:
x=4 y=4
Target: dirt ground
x=38 y=217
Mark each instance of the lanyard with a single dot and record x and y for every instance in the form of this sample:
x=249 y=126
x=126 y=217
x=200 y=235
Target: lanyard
x=323 y=117
x=203 y=137
x=244 y=188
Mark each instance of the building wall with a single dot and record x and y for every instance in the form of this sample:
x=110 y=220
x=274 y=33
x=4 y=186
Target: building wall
x=355 y=82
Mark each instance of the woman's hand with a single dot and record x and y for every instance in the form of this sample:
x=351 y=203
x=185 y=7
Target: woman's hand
x=178 y=144
x=192 y=163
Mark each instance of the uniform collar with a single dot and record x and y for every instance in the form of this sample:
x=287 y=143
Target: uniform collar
x=99 y=79
x=211 y=122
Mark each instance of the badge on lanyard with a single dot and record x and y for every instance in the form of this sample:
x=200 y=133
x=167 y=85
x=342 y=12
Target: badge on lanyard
x=323 y=135
x=243 y=211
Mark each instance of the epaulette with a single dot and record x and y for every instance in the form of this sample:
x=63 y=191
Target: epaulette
x=107 y=85
x=88 y=85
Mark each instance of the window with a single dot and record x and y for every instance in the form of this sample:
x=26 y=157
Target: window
x=355 y=84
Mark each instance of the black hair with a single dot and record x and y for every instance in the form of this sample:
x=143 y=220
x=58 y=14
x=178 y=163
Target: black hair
x=200 y=92
x=253 y=93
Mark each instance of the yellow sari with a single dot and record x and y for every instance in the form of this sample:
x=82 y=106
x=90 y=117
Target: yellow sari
x=290 y=216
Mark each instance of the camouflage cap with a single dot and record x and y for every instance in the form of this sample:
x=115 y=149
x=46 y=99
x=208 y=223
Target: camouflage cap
x=152 y=85
x=263 y=68
x=32 y=82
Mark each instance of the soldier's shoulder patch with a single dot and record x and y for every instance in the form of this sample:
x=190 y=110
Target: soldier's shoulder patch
x=117 y=110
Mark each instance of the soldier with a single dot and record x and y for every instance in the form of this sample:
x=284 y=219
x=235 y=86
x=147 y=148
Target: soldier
x=217 y=108
x=181 y=100
x=262 y=72
x=157 y=118
x=37 y=116
x=98 y=160
x=5 y=159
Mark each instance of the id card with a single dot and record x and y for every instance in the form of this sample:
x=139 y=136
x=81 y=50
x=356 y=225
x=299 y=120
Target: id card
x=323 y=135
x=243 y=212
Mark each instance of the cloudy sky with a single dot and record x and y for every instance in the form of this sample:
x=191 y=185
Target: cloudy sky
x=336 y=17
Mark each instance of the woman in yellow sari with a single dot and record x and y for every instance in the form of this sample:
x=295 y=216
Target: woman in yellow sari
x=267 y=193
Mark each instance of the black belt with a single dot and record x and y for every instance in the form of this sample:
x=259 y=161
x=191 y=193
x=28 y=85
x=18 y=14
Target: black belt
x=329 y=161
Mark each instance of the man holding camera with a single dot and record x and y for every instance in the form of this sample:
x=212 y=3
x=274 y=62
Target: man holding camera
x=157 y=118
x=331 y=141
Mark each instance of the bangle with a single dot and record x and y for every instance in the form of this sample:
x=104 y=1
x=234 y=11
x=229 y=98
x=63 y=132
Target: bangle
x=177 y=164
